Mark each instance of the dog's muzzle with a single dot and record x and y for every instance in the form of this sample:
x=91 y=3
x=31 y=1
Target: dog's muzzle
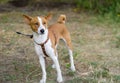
x=42 y=31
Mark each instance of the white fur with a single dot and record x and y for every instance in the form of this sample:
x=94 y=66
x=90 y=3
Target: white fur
x=70 y=56
x=53 y=56
x=71 y=60
x=41 y=25
x=42 y=62
x=41 y=38
x=51 y=53
x=49 y=50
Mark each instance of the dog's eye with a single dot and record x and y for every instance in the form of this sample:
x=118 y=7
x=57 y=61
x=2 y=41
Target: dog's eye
x=44 y=23
x=36 y=24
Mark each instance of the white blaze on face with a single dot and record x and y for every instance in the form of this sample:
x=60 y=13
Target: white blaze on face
x=41 y=25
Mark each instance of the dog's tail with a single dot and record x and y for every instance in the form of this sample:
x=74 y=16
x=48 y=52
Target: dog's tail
x=62 y=18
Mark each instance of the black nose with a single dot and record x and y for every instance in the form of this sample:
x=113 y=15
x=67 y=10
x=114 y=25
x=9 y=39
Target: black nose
x=42 y=31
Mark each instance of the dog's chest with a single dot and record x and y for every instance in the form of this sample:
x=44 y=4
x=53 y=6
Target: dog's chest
x=47 y=46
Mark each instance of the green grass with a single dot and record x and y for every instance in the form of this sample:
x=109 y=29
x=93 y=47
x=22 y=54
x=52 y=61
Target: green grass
x=96 y=42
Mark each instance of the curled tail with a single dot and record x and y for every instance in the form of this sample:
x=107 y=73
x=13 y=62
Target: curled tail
x=62 y=19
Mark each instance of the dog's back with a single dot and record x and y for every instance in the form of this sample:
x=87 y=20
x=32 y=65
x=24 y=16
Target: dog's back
x=59 y=28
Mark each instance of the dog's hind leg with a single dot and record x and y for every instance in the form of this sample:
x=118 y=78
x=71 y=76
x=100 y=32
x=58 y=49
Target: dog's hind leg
x=71 y=59
x=67 y=40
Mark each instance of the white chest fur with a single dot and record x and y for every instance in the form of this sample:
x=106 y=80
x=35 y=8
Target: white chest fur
x=48 y=48
x=40 y=38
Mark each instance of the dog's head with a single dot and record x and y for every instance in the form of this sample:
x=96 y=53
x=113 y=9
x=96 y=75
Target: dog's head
x=38 y=24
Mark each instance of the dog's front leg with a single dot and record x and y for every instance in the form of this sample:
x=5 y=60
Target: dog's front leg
x=42 y=63
x=57 y=66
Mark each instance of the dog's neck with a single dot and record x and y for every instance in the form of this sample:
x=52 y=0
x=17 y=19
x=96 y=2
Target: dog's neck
x=38 y=38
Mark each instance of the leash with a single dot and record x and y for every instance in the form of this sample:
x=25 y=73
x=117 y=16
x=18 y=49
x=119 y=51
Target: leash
x=30 y=36
x=42 y=45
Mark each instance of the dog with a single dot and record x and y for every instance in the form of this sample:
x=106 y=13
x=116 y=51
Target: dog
x=46 y=40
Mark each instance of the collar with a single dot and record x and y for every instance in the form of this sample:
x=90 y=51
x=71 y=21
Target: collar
x=43 y=42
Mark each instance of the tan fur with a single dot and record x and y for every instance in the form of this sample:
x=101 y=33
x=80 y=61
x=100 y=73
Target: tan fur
x=50 y=36
x=59 y=28
x=62 y=19
x=33 y=22
x=61 y=32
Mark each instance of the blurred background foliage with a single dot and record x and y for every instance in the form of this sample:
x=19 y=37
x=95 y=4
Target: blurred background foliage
x=93 y=6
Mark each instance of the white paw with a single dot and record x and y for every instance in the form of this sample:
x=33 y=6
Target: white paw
x=73 y=68
x=53 y=66
x=43 y=81
x=59 y=79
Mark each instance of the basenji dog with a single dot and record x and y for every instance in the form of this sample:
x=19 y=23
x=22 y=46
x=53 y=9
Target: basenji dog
x=46 y=40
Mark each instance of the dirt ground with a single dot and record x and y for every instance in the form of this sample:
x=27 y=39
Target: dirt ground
x=96 y=49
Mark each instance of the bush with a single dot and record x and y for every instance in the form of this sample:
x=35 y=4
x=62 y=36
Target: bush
x=19 y=3
x=99 y=6
x=95 y=6
x=3 y=1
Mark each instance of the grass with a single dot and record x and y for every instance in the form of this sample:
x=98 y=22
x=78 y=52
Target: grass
x=96 y=42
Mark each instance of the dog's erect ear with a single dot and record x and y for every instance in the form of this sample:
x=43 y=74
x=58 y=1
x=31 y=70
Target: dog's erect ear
x=27 y=18
x=49 y=16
